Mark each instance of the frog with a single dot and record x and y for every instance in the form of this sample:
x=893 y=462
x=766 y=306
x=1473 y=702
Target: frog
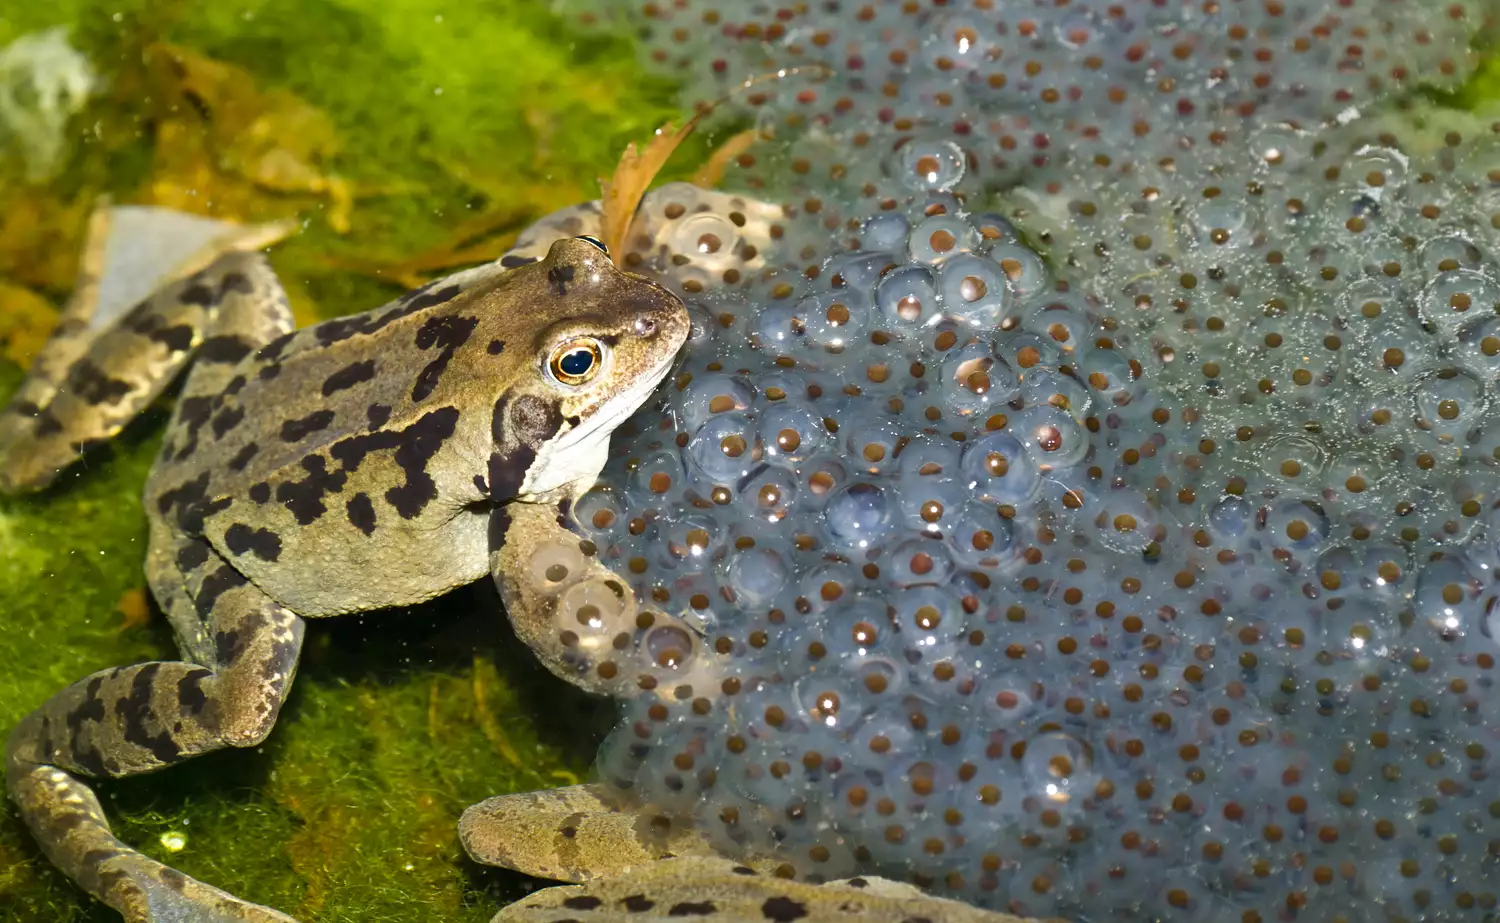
x=308 y=473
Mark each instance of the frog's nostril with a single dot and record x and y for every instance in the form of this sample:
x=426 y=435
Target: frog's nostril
x=645 y=326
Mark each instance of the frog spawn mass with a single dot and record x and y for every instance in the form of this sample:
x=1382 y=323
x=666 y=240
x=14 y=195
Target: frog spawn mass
x=1126 y=549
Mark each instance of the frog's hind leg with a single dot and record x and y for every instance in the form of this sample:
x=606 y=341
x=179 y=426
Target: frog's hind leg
x=577 y=833
x=103 y=363
x=137 y=719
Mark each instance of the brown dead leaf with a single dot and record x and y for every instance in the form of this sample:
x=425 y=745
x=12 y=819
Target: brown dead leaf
x=633 y=175
x=638 y=168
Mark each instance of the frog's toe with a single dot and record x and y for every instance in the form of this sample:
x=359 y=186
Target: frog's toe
x=168 y=896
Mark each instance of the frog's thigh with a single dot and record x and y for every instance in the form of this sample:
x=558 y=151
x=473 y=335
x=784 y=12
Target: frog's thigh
x=136 y=719
x=61 y=410
x=720 y=890
x=570 y=834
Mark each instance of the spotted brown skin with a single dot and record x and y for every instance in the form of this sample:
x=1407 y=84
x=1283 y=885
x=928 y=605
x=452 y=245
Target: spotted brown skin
x=304 y=474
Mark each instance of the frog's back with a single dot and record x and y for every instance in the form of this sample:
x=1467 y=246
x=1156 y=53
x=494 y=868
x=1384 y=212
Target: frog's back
x=350 y=446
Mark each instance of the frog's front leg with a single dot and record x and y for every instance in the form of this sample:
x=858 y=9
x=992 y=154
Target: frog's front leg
x=131 y=720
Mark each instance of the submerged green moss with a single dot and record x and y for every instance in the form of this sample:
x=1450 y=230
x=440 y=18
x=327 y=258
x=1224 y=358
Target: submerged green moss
x=399 y=720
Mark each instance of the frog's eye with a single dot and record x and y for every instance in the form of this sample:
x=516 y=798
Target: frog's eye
x=576 y=361
x=595 y=241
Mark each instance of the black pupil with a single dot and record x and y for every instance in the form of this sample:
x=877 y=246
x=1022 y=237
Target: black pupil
x=577 y=361
x=595 y=241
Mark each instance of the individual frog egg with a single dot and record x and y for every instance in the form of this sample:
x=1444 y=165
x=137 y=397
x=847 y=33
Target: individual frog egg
x=790 y=431
x=1027 y=351
x=723 y=450
x=1125 y=521
x=926 y=503
x=657 y=479
x=832 y=701
x=975 y=292
x=924 y=165
x=918 y=562
x=691 y=543
x=1295 y=527
x=1354 y=479
x=755 y=577
x=593 y=614
x=781 y=328
x=975 y=381
x=1479 y=347
x=994 y=228
x=1058 y=770
x=884 y=231
x=859 y=517
x=827 y=585
x=1064 y=319
x=926 y=460
x=980 y=537
x=872 y=445
x=1113 y=377
x=768 y=494
x=1049 y=387
x=1294 y=459
x=1447 y=403
x=1025 y=274
x=1219 y=226
x=708 y=394
x=1000 y=470
x=834 y=320
x=1449 y=598
x=1053 y=438
x=941 y=237
x=908 y=297
x=706 y=238
x=1453 y=299
x=600 y=513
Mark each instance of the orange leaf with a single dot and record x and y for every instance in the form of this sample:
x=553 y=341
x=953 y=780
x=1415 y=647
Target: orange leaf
x=633 y=175
x=637 y=168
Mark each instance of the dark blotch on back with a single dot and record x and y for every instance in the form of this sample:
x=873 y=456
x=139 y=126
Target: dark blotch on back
x=304 y=498
x=243 y=457
x=692 y=909
x=297 y=430
x=349 y=376
x=582 y=902
x=87 y=381
x=241 y=539
x=446 y=333
x=782 y=909
x=512 y=261
x=637 y=903
x=225 y=350
x=361 y=513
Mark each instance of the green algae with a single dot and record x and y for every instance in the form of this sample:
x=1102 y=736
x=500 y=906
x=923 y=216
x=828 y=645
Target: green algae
x=399 y=720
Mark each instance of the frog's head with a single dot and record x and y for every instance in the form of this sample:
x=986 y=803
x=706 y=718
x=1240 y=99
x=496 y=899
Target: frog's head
x=596 y=343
